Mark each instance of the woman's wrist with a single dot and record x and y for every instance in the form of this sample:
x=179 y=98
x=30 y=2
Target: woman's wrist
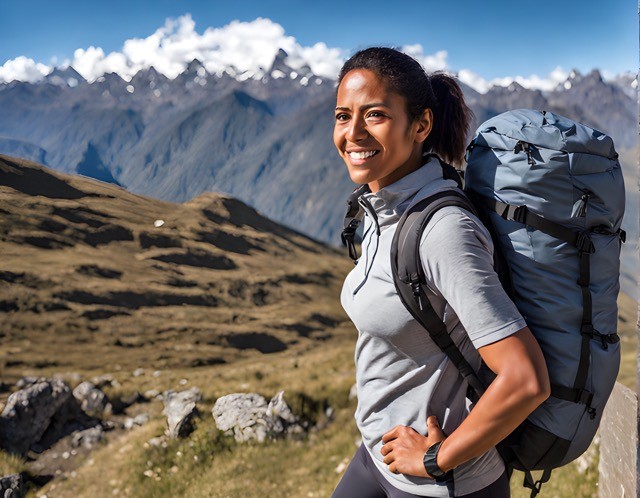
x=431 y=465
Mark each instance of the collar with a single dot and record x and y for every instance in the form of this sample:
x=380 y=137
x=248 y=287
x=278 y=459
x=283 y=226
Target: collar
x=391 y=201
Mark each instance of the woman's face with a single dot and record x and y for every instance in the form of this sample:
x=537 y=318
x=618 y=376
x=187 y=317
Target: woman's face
x=373 y=132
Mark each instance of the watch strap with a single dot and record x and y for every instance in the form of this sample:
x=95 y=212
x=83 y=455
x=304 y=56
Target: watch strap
x=431 y=465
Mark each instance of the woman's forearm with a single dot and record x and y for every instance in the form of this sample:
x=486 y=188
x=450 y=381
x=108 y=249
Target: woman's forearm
x=520 y=386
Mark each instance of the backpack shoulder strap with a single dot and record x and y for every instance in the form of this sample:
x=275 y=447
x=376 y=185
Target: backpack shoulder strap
x=410 y=280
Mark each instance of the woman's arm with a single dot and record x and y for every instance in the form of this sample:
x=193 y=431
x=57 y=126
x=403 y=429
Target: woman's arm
x=521 y=384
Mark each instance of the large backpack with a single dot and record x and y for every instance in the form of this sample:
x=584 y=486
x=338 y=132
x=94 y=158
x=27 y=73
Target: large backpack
x=551 y=193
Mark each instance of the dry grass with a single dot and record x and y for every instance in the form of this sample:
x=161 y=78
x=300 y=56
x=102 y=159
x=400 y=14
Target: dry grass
x=285 y=287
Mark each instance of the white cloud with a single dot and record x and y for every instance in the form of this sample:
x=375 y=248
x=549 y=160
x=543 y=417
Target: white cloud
x=244 y=49
x=92 y=63
x=475 y=81
x=23 y=69
x=247 y=47
x=533 y=82
x=431 y=62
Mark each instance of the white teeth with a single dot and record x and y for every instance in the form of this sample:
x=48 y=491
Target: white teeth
x=362 y=155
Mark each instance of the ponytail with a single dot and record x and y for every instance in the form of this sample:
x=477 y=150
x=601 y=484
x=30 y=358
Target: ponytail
x=438 y=92
x=451 y=120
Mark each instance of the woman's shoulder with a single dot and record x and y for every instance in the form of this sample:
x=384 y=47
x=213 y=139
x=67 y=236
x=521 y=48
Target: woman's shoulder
x=452 y=225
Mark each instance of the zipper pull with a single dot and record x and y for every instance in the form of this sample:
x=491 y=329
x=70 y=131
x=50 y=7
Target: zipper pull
x=582 y=210
x=415 y=286
x=522 y=146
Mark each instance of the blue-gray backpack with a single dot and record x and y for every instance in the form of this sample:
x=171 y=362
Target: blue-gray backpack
x=550 y=191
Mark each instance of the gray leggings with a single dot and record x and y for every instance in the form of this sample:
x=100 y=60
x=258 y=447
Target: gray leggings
x=363 y=480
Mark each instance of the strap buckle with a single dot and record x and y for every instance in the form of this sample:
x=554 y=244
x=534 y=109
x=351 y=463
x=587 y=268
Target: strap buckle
x=515 y=213
x=587 y=329
x=584 y=397
x=622 y=235
x=584 y=243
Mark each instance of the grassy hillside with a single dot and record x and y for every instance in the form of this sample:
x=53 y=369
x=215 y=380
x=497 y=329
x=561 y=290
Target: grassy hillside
x=147 y=306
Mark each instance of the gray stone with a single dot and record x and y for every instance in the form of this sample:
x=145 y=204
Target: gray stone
x=248 y=416
x=138 y=420
x=243 y=415
x=92 y=400
x=104 y=380
x=88 y=437
x=29 y=381
x=151 y=394
x=180 y=409
x=29 y=412
x=11 y=486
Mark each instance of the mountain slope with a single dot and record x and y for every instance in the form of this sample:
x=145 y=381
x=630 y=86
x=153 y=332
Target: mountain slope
x=89 y=271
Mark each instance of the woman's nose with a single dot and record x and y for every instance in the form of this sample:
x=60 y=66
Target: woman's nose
x=356 y=131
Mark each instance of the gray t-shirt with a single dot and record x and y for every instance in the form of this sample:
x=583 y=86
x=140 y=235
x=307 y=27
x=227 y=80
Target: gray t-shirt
x=402 y=376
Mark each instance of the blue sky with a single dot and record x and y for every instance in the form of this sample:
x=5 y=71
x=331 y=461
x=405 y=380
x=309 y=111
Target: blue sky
x=492 y=38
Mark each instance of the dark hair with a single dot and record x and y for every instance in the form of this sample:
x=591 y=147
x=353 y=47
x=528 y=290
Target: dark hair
x=438 y=92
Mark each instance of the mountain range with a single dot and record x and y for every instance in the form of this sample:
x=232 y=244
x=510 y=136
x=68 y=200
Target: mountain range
x=266 y=140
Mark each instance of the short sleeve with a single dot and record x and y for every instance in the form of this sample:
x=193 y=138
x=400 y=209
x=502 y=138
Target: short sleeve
x=457 y=257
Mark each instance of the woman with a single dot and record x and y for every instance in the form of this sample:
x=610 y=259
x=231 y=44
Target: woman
x=391 y=120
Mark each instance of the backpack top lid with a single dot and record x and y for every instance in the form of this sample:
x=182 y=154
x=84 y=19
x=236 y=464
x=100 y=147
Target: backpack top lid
x=544 y=129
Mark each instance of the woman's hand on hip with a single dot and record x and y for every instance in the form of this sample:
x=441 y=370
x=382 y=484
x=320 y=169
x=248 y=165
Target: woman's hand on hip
x=404 y=448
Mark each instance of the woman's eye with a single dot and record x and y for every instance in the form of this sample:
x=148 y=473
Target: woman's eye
x=375 y=114
x=342 y=117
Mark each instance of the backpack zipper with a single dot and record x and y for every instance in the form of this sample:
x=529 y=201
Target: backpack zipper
x=522 y=146
x=582 y=210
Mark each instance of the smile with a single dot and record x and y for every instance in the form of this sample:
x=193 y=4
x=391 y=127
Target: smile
x=362 y=155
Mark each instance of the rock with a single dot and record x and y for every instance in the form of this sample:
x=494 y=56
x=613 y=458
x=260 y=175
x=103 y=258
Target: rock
x=101 y=381
x=92 y=400
x=243 y=415
x=108 y=425
x=138 y=420
x=180 y=409
x=29 y=412
x=29 y=381
x=278 y=408
x=88 y=437
x=353 y=392
x=11 y=486
x=39 y=415
x=138 y=372
x=151 y=394
x=248 y=416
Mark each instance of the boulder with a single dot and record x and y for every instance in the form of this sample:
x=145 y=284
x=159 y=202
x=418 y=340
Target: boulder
x=28 y=381
x=11 y=486
x=180 y=409
x=92 y=400
x=248 y=416
x=40 y=414
x=29 y=412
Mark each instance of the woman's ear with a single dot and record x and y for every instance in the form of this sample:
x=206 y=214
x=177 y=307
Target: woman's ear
x=425 y=124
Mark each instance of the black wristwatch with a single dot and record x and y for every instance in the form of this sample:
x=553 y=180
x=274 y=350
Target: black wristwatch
x=431 y=465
